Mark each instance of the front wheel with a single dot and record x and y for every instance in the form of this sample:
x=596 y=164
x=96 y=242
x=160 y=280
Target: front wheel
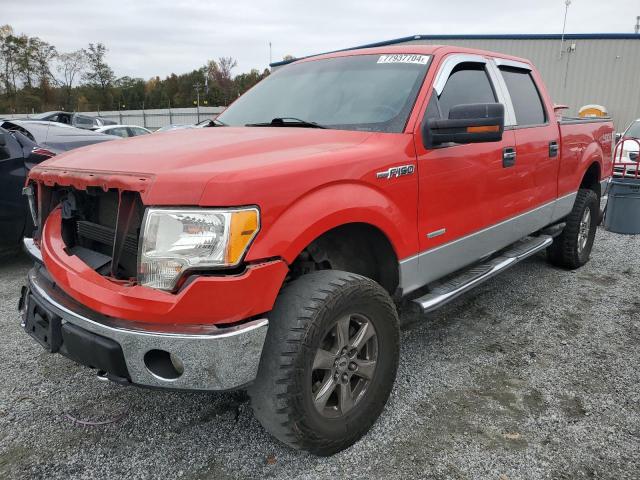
x=572 y=248
x=328 y=363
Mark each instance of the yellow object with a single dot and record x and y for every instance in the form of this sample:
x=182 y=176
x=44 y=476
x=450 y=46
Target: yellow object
x=593 y=111
x=244 y=226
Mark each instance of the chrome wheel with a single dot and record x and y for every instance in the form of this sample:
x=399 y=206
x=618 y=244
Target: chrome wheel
x=344 y=365
x=584 y=229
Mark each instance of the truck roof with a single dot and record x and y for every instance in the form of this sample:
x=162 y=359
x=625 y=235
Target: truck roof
x=439 y=50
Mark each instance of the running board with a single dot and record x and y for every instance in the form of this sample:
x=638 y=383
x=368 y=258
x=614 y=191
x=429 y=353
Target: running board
x=443 y=293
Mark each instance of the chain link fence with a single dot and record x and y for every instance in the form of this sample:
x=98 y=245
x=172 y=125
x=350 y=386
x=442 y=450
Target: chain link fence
x=151 y=119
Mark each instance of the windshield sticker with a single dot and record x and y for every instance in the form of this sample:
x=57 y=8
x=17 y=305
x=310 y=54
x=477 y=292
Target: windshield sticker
x=404 y=58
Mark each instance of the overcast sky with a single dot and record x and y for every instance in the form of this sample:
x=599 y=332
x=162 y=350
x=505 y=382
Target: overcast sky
x=156 y=37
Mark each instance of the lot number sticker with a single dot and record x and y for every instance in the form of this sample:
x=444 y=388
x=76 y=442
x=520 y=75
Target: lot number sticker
x=404 y=58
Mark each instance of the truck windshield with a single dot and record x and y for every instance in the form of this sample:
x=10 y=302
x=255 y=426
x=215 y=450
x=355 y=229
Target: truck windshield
x=360 y=92
x=633 y=131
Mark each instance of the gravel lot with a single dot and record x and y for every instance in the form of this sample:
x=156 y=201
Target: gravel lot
x=536 y=374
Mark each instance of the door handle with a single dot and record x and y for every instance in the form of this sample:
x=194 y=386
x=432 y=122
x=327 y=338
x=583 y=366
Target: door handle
x=508 y=157
x=553 y=149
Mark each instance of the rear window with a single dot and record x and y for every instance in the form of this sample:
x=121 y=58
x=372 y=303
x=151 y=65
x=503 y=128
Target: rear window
x=524 y=96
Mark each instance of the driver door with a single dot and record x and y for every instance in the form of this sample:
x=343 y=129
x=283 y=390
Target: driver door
x=466 y=190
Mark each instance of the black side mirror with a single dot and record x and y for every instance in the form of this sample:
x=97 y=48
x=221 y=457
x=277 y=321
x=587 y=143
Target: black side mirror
x=3 y=140
x=618 y=137
x=470 y=123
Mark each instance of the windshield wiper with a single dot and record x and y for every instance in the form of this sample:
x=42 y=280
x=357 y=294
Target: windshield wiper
x=287 y=122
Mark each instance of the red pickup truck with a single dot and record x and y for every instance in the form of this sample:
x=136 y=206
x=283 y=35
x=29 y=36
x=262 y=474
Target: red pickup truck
x=268 y=251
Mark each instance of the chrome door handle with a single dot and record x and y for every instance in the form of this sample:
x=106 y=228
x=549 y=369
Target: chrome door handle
x=553 y=149
x=508 y=157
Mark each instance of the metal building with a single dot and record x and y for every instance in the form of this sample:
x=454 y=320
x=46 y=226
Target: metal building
x=599 y=68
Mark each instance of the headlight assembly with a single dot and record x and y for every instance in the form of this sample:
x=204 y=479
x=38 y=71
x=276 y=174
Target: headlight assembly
x=175 y=240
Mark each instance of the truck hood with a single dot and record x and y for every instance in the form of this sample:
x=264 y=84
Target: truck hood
x=185 y=161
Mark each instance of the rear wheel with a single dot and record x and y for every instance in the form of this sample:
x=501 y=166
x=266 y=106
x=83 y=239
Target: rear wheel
x=328 y=363
x=572 y=248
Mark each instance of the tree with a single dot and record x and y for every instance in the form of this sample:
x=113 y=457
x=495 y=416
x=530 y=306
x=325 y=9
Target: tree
x=220 y=73
x=70 y=66
x=99 y=72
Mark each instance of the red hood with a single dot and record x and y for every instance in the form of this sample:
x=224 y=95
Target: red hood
x=183 y=162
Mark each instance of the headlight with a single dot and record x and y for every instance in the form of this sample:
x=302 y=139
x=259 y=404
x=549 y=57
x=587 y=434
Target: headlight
x=175 y=240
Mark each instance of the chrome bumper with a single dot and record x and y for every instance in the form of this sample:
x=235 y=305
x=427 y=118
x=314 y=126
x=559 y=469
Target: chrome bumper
x=199 y=358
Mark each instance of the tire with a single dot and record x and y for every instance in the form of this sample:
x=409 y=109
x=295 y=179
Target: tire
x=572 y=248
x=314 y=312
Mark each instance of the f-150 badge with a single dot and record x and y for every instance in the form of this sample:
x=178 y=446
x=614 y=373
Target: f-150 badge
x=396 y=172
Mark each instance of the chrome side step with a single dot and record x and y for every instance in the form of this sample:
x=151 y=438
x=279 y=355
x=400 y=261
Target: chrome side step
x=444 y=292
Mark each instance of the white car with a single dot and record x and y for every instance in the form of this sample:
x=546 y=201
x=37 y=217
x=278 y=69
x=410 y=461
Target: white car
x=627 y=163
x=123 y=131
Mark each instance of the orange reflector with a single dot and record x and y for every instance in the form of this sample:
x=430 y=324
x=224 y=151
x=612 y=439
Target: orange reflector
x=487 y=128
x=244 y=226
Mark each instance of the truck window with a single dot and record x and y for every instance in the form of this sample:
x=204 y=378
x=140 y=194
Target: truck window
x=468 y=83
x=360 y=92
x=524 y=96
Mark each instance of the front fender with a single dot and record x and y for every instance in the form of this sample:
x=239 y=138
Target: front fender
x=331 y=206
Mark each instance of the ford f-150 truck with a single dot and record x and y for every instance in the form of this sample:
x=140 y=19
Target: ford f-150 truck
x=268 y=252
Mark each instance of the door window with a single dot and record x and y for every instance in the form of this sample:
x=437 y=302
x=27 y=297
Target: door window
x=524 y=97
x=468 y=83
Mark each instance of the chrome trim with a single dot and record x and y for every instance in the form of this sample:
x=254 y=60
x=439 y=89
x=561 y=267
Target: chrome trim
x=449 y=64
x=436 y=233
x=220 y=359
x=481 y=274
x=32 y=249
x=503 y=62
x=503 y=94
x=433 y=264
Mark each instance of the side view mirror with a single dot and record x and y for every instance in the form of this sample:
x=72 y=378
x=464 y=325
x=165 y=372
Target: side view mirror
x=469 y=123
x=3 y=140
x=618 y=137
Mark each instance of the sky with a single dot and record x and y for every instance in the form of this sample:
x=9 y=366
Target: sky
x=146 y=38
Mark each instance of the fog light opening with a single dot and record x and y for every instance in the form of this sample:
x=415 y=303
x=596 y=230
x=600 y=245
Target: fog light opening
x=163 y=365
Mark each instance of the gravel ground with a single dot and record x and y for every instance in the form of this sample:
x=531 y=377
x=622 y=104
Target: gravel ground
x=535 y=374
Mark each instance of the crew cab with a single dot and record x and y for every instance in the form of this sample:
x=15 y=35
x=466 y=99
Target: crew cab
x=268 y=252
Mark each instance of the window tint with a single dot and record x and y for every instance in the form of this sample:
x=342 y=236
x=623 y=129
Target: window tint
x=136 y=131
x=468 y=83
x=524 y=96
x=119 y=131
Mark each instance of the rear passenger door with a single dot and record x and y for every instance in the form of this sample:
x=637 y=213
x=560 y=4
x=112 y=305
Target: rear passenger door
x=537 y=139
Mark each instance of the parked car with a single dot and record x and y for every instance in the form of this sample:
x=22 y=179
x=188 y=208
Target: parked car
x=175 y=126
x=627 y=153
x=266 y=252
x=123 y=131
x=74 y=119
x=24 y=144
x=209 y=122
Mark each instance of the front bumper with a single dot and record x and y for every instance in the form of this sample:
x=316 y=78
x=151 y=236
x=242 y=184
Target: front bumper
x=180 y=357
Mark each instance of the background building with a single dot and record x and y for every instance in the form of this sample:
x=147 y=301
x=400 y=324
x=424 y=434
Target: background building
x=601 y=68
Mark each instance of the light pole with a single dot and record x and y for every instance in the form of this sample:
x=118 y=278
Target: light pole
x=197 y=87
x=564 y=25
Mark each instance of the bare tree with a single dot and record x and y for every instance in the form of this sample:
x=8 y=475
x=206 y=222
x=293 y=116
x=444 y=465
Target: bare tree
x=220 y=73
x=99 y=72
x=70 y=67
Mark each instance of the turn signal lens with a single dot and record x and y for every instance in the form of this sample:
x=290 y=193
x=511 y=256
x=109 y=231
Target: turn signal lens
x=484 y=129
x=244 y=227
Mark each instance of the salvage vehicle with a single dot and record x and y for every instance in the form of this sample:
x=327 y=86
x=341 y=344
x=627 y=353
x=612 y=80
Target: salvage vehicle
x=24 y=144
x=74 y=119
x=268 y=251
x=629 y=151
x=123 y=131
